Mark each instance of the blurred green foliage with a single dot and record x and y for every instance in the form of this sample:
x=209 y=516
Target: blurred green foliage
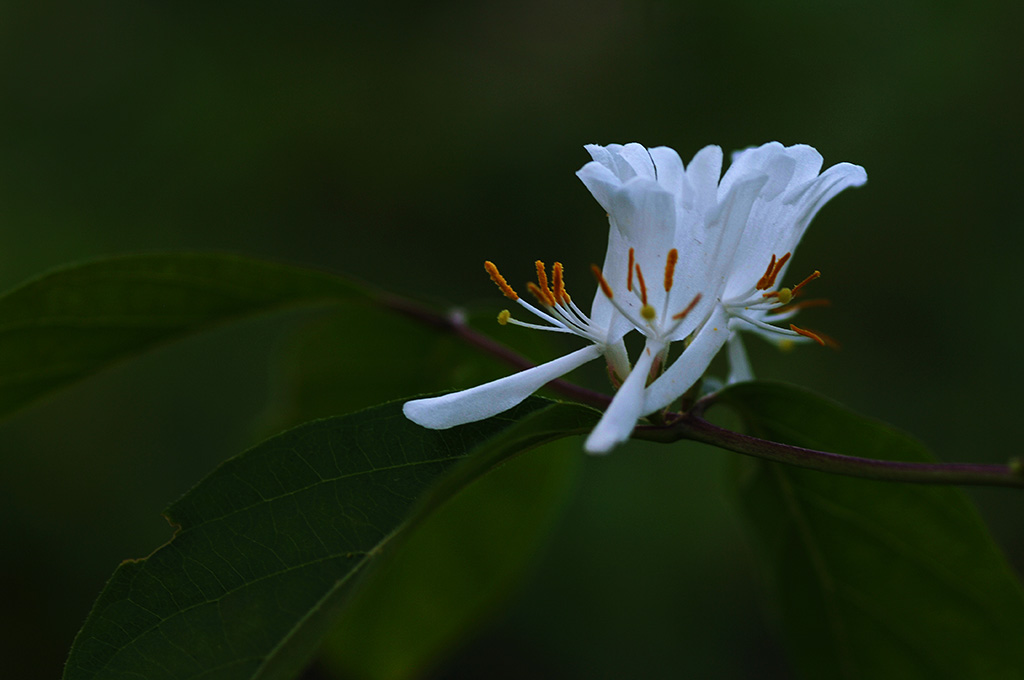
x=404 y=144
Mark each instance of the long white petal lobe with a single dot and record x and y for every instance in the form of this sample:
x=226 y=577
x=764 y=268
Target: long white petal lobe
x=484 y=401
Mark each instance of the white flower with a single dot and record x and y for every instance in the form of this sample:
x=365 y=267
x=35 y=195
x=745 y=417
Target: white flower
x=603 y=329
x=690 y=257
x=752 y=297
x=673 y=231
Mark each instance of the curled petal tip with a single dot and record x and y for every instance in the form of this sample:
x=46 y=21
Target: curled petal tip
x=420 y=411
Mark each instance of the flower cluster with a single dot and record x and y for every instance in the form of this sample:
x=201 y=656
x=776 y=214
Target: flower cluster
x=693 y=257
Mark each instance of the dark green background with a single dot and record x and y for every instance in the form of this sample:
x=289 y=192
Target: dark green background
x=405 y=145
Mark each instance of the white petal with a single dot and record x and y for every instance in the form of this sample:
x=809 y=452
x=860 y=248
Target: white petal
x=803 y=203
x=645 y=213
x=808 y=163
x=668 y=168
x=616 y=263
x=733 y=218
x=704 y=171
x=776 y=227
x=618 y=359
x=706 y=262
x=818 y=192
x=787 y=167
x=639 y=160
x=690 y=365
x=600 y=154
x=780 y=169
x=749 y=162
x=484 y=401
x=739 y=364
x=627 y=406
x=601 y=182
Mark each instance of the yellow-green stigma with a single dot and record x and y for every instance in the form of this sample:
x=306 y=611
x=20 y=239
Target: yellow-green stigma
x=648 y=313
x=503 y=317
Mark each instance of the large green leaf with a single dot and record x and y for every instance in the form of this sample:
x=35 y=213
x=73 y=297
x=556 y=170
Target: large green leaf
x=453 y=573
x=874 y=579
x=72 y=322
x=267 y=546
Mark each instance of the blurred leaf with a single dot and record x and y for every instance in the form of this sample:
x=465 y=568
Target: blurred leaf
x=373 y=354
x=875 y=579
x=72 y=322
x=453 y=572
x=267 y=545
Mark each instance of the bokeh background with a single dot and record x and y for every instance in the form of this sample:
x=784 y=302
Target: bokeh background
x=405 y=143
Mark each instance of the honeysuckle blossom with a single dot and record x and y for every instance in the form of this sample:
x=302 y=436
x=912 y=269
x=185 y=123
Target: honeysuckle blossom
x=673 y=233
x=692 y=256
x=753 y=298
x=603 y=329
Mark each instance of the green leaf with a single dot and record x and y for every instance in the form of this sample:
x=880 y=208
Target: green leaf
x=267 y=546
x=377 y=354
x=452 y=574
x=874 y=579
x=72 y=322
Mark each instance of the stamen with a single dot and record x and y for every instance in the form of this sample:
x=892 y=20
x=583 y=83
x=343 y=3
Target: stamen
x=783 y=294
x=542 y=277
x=500 y=281
x=786 y=295
x=670 y=268
x=689 y=308
x=801 y=304
x=770 y=274
x=560 y=295
x=762 y=283
x=643 y=286
x=601 y=281
x=503 y=317
x=778 y=268
x=542 y=294
x=629 y=278
x=807 y=334
x=803 y=283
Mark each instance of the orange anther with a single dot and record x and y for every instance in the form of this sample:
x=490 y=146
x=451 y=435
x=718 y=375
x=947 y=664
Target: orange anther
x=542 y=277
x=689 y=307
x=601 y=281
x=500 y=281
x=778 y=268
x=803 y=283
x=762 y=283
x=774 y=267
x=670 y=268
x=561 y=297
x=640 y=282
x=807 y=334
x=629 y=278
x=542 y=294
